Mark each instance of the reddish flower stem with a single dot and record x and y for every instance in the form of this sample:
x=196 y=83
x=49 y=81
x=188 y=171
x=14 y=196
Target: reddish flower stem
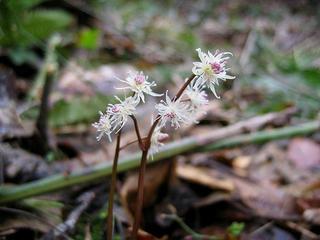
x=112 y=189
x=143 y=163
x=136 y=127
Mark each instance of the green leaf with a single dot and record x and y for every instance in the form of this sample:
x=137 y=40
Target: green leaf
x=235 y=229
x=23 y=4
x=22 y=55
x=189 y=39
x=312 y=77
x=89 y=38
x=78 y=110
x=40 y=23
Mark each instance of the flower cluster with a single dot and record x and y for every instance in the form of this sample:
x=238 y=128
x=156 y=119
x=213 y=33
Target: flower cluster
x=176 y=111
x=116 y=115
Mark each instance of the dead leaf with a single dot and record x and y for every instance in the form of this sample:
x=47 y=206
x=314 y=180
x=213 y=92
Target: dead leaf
x=267 y=201
x=156 y=175
x=143 y=235
x=19 y=164
x=77 y=80
x=304 y=153
x=204 y=176
x=33 y=213
x=10 y=124
x=312 y=215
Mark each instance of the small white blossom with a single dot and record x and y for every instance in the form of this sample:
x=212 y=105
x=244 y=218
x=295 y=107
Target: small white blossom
x=157 y=140
x=212 y=68
x=197 y=99
x=138 y=83
x=174 y=111
x=196 y=94
x=120 y=112
x=103 y=126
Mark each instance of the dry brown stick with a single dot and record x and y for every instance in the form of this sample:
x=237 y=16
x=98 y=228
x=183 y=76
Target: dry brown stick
x=307 y=233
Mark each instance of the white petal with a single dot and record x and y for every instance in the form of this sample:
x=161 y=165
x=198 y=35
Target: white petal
x=213 y=90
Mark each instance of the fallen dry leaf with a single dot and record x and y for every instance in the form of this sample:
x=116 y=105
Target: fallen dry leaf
x=143 y=235
x=19 y=164
x=78 y=80
x=156 y=175
x=312 y=215
x=204 y=176
x=304 y=153
x=267 y=201
x=10 y=124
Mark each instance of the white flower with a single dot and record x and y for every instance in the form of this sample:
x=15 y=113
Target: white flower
x=212 y=68
x=157 y=140
x=120 y=112
x=103 y=126
x=197 y=96
x=173 y=111
x=138 y=83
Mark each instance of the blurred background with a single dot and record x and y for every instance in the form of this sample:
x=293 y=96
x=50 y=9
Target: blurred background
x=58 y=62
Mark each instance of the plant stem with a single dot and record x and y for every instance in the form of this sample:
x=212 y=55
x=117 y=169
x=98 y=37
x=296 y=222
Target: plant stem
x=139 y=204
x=184 y=86
x=42 y=133
x=145 y=148
x=50 y=61
x=195 y=144
x=112 y=189
x=136 y=127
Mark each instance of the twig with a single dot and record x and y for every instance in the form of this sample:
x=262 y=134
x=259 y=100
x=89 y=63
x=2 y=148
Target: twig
x=112 y=189
x=195 y=143
x=69 y=224
x=261 y=229
x=305 y=232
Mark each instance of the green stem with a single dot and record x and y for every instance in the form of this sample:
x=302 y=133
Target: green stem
x=49 y=63
x=89 y=175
